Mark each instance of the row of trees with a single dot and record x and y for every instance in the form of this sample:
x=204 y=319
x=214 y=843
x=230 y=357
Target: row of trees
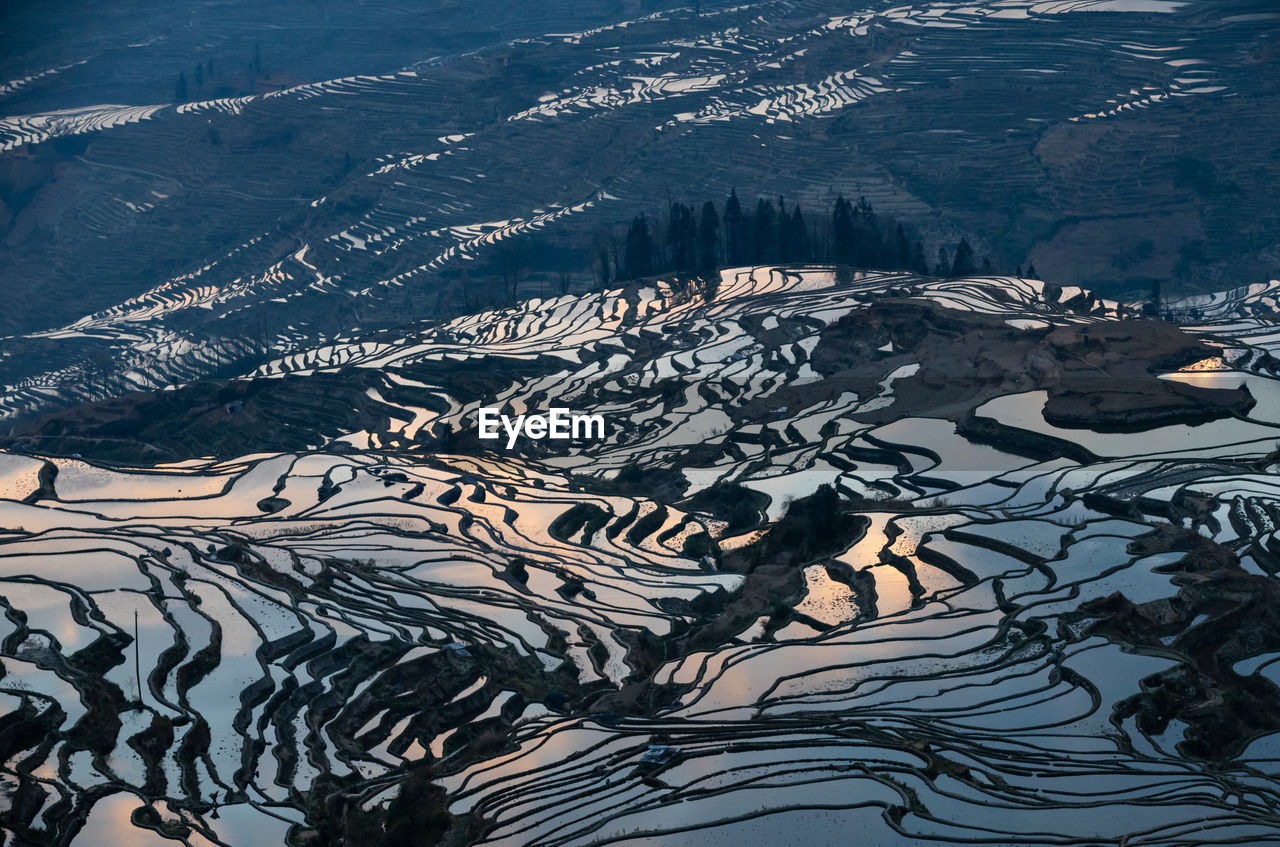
x=698 y=242
x=692 y=242
x=204 y=71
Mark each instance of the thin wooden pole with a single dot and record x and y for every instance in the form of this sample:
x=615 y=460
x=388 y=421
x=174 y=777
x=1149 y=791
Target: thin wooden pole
x=137 y=657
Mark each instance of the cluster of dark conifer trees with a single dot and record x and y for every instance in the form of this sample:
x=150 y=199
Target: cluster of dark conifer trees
x=693 y=241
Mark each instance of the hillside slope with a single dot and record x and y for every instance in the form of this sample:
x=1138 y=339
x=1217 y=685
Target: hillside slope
x=854 y=553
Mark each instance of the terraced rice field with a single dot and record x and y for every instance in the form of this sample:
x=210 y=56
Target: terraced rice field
x=204 y=235
x=520 y=629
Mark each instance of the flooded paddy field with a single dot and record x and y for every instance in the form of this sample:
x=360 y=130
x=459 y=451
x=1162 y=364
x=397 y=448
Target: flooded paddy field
x=350 y=187
x=817 y=582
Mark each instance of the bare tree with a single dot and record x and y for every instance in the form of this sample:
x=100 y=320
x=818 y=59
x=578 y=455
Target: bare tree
x=464 y=281
x=97 y=368
x=513 y=260
x=612 y=246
